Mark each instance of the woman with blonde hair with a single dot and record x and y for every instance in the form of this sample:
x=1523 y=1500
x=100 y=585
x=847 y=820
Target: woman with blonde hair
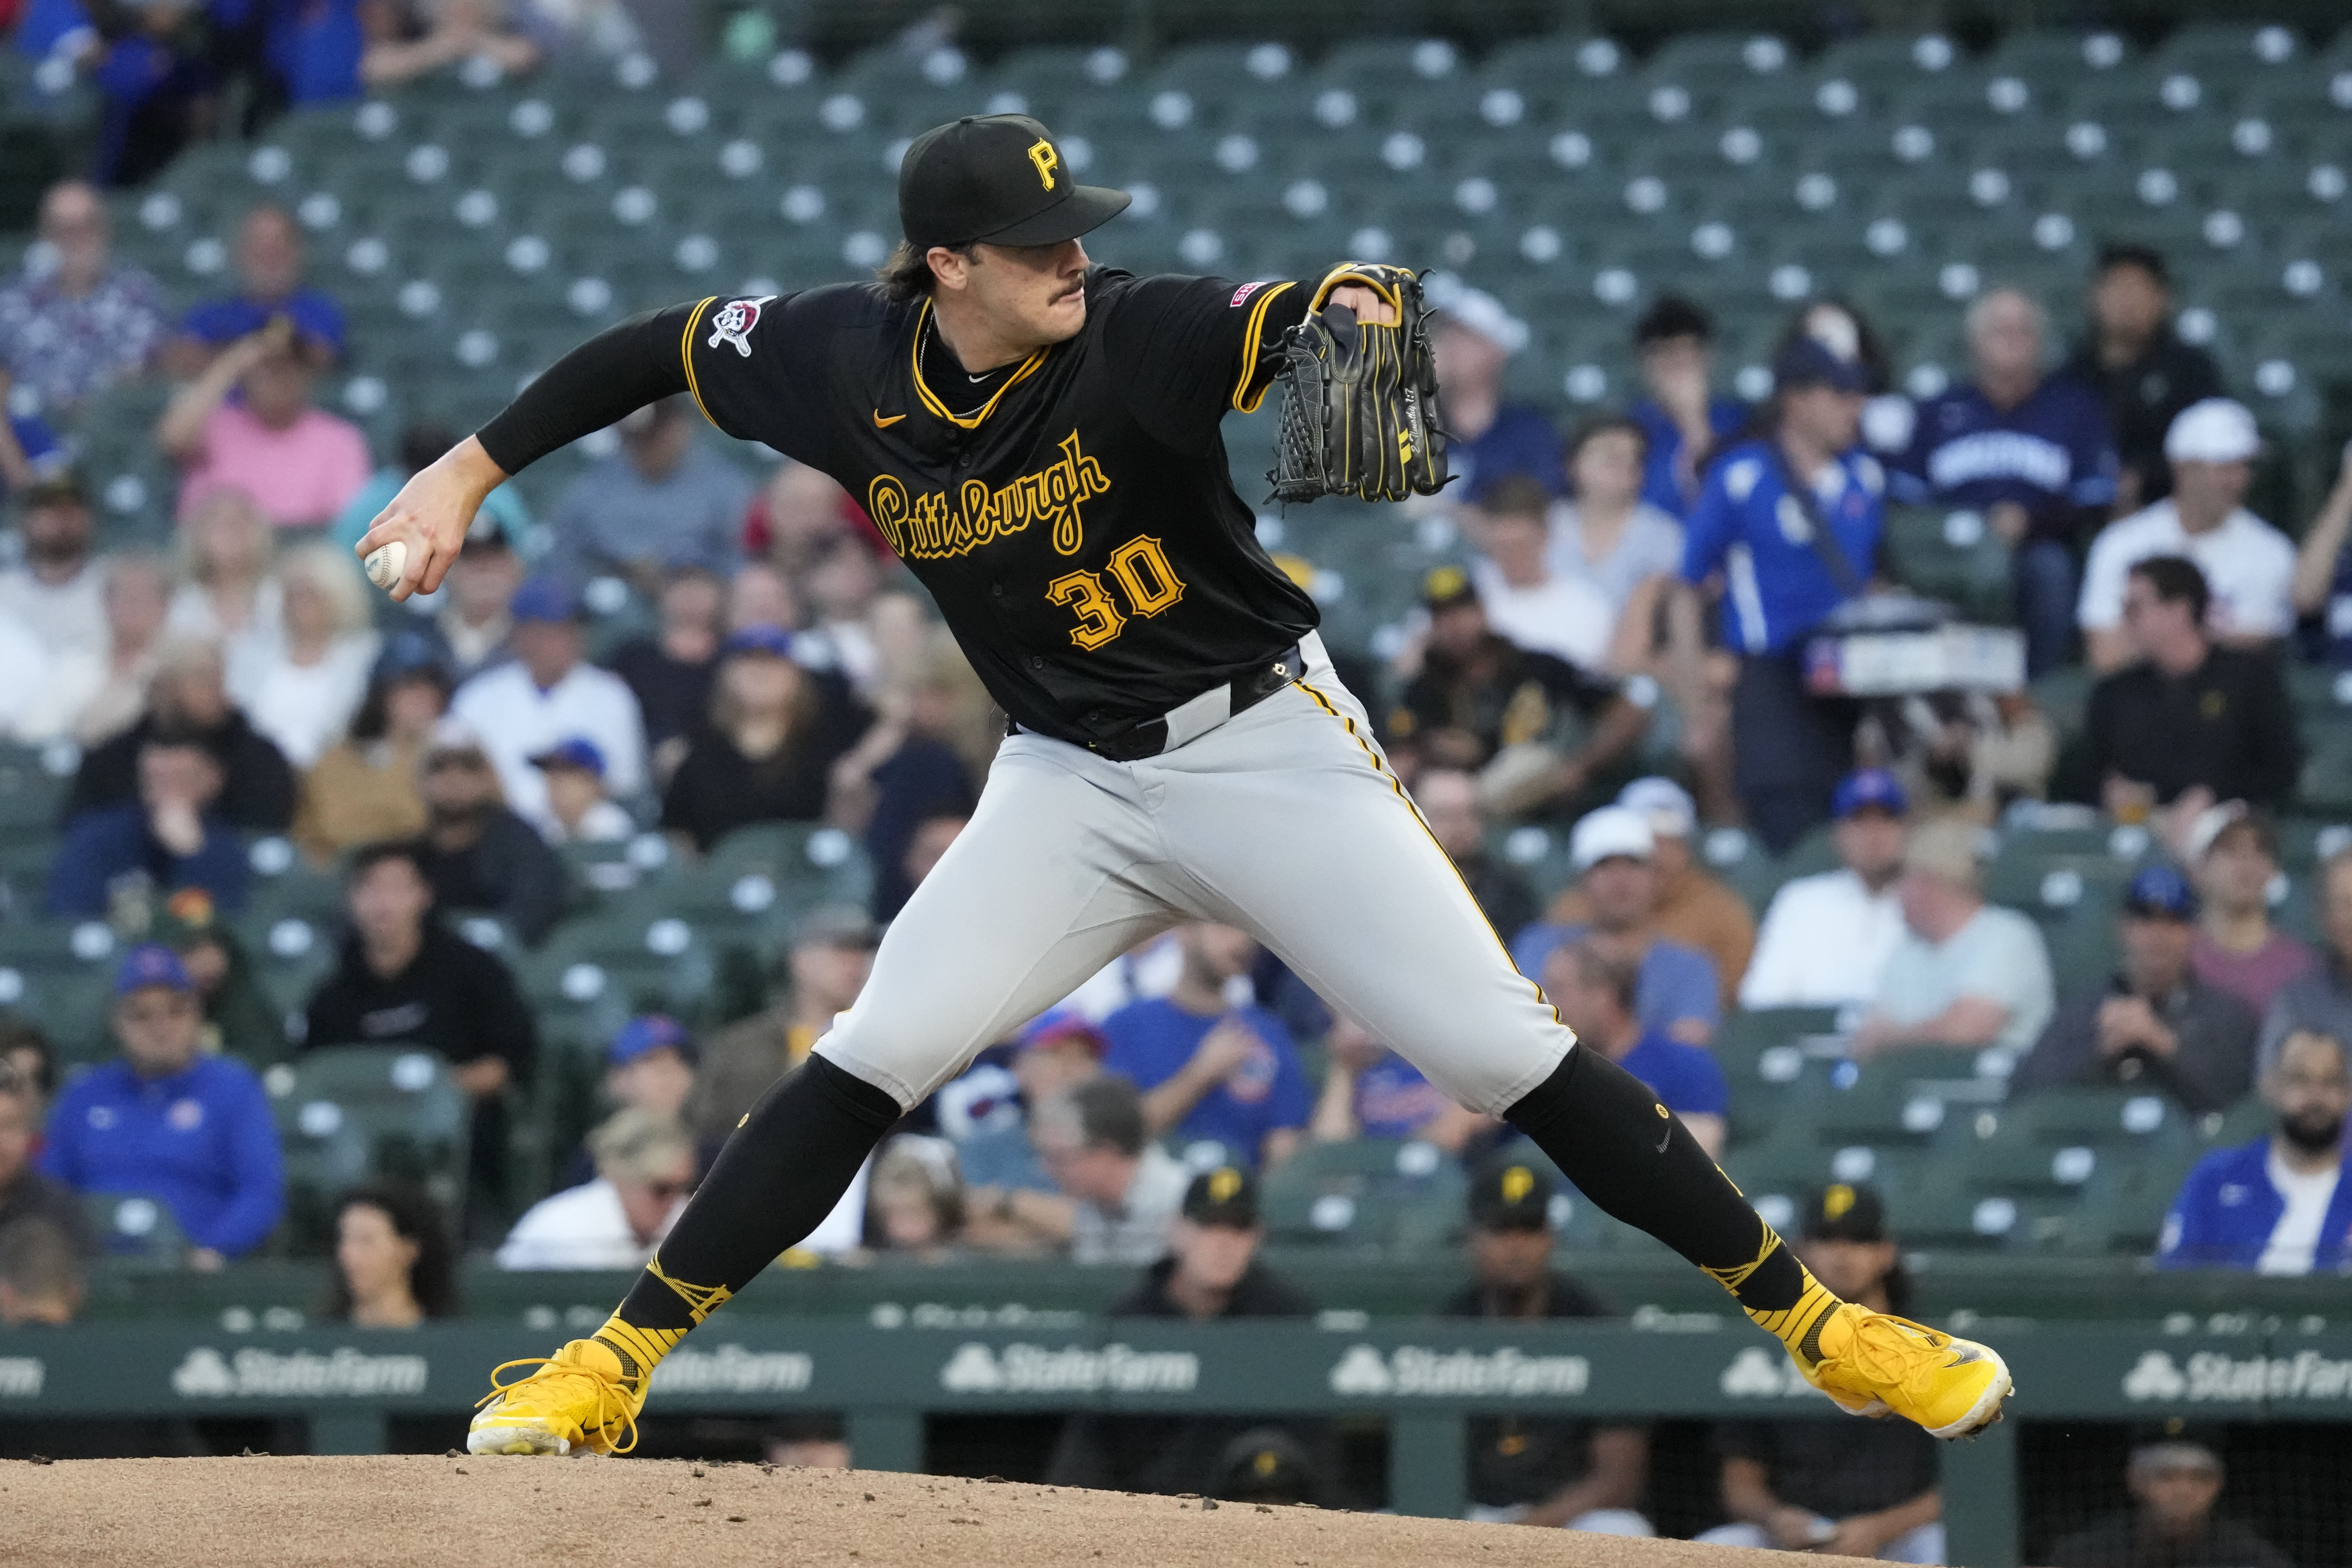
x=229 y=593
x=303 y=690
x=925 y=758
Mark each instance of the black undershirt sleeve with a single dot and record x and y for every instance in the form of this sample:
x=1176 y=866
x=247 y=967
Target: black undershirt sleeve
x=613 y=375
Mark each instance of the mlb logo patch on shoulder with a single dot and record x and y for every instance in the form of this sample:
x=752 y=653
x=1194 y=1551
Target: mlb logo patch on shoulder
x=734 y=321
x=1244 y=292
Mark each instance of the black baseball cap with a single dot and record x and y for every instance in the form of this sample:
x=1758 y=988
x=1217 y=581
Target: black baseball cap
x=1845 y=1211
x=1511 y=1191
x=1227 y=1195
x=1000 y=178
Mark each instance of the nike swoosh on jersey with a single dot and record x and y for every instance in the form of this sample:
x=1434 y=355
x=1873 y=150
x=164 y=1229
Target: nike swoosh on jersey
x=882 y=423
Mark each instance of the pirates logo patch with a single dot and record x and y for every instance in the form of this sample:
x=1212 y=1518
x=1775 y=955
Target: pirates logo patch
x=733 y=323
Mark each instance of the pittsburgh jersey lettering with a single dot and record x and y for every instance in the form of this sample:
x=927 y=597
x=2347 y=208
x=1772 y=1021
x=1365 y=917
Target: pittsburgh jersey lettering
x=1079 y=529
x=933 y=528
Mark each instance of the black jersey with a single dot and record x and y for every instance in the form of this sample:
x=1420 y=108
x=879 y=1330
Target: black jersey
x=1079 y=528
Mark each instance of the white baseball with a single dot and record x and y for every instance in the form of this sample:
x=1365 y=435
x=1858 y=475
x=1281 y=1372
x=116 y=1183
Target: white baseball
x=385 y=563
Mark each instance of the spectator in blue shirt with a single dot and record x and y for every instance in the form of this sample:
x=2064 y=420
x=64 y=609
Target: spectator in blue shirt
x=1208 y=1070
x=171 y=837
x=1490 y=438
x=1370 y=1092
x=1789 y=523
x=29 y=448
x=163 y=1120
x=2035 y=455
x=269 y=259
x=1613 y=850
x=1683 y=420
x=2278 y=1205
x=1597 y=995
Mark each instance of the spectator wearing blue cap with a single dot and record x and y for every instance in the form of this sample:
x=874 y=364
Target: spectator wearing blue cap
x=1787 y=528
x=664 y=501
x=171 y=837
x=765 y=754
x=1681 y=419
x=2033 y=452
x=578 y=809
x=650 y=1064
x=1826 y=937
x=2154 y=1025
x=166 y=1121
x=548 y=695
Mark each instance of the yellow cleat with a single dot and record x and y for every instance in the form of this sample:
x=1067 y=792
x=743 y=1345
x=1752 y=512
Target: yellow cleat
x=583 y=1399
x=1875 y=1363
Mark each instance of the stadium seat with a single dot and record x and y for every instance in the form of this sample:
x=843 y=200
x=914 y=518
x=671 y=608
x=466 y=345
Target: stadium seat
x=1366 y=1193
x=347 y=1114
x=135 y=1231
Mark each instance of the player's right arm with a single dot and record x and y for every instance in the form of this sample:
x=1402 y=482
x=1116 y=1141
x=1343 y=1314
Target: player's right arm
x=740 y=379
x=611 y=374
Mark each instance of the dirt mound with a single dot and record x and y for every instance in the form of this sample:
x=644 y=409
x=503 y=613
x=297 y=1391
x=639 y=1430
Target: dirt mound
x=261 y=1512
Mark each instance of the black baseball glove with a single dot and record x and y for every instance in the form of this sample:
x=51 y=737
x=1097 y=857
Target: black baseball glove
x=1359 y=402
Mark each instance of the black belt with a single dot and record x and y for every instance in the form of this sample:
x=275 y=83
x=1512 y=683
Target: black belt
x=1192 y=719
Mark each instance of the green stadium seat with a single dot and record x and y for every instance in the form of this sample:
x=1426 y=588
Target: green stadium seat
x=1366 y=1193
x=349 y=1113
x=135 y=1231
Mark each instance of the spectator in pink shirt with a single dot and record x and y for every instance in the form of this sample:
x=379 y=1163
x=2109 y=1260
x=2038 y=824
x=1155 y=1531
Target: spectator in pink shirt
x=2232 y=856
x=299 y=464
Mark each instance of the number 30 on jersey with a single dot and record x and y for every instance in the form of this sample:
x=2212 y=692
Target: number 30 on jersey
x=1145 y=579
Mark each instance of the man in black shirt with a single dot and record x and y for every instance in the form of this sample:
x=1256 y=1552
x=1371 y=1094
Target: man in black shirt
x=1211 y=1274
x=1544 y=731
x=1825 y=1483
x=670 y=673
x=2175 y=1481
x=2192 y=723
x=1037 y=438
x=402 y=978
x=478 y=853
x=2154 y=1025
x=1543 y=1470
x=2138 y=363
x=188 y=699
x=1449 y=800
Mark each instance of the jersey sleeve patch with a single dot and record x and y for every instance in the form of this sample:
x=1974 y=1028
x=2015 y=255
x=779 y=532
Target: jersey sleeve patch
x=732 y=323
x=1242 y=293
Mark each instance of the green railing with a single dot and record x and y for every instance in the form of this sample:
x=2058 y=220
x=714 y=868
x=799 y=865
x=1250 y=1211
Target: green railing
x=1423 y=1378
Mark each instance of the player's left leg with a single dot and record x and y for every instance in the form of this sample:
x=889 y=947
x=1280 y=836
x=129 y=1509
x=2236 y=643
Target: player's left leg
x=1291 y=823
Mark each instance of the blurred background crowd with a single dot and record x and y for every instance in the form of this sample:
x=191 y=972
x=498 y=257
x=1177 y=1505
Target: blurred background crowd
x=387 y=934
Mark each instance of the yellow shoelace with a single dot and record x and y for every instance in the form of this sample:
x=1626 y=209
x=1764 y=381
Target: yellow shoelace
x=604 y=1391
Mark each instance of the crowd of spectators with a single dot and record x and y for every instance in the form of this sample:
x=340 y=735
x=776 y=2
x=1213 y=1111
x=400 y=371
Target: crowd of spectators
x=1639 y=594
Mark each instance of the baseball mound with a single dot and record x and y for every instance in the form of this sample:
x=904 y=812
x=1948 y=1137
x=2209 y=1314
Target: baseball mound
x=262 y=1512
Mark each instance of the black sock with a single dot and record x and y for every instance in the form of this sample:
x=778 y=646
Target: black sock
x=780 y=1174
x=1608 y=1134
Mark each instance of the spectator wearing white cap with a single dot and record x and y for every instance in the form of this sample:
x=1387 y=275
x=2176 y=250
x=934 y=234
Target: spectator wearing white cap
x=2249 y=565
x=1474 y=337
x=1694 y=908
x=1826 y=937
x=1614 y=852
x=1966 y=974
